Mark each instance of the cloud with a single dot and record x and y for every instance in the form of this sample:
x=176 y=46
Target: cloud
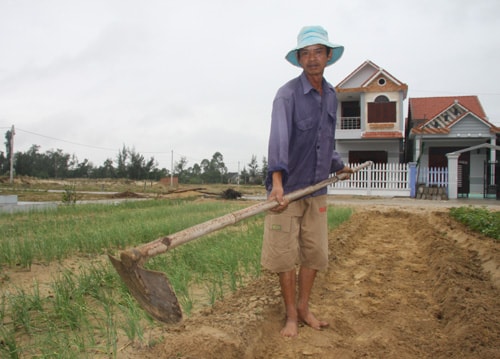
x=199 y=77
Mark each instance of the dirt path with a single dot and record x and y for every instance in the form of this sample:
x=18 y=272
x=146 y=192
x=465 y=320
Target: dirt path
x=402 y=283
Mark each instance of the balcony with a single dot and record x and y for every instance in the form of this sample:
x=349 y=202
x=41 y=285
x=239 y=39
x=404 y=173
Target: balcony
x=348 y=128
x=349 y=123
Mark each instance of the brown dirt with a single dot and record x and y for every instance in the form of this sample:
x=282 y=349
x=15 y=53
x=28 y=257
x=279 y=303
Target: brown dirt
x=403 y=282
x=126 y=194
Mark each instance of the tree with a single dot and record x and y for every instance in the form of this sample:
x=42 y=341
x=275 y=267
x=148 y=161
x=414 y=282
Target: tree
x=136 y=167
x=58 y=163
x=4 y=164
x=105 y=171
x=214 y=171
x=253 y=170
x=264 y=169
x=29 y=163
x=83 y=169
x=129 y=164
x=181 y=171
x=121 y=162
x=244 y=176
x=217 y=163
x=5 y=161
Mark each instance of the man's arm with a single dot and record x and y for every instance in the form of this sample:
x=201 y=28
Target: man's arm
x=277 y=191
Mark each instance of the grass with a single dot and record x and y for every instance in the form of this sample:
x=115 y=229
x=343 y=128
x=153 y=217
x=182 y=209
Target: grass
x=480 y=220
x=84 y=309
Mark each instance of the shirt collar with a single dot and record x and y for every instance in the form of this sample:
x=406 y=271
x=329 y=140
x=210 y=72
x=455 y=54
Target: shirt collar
x=306 y=85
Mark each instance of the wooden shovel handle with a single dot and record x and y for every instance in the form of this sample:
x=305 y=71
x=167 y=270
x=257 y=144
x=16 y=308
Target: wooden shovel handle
x=138 y=255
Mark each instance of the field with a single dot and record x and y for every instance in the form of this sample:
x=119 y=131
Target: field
x=403 y=282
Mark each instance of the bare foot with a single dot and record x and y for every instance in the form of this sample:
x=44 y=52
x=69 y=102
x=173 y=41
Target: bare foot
x=308 y=318
x=291 y=329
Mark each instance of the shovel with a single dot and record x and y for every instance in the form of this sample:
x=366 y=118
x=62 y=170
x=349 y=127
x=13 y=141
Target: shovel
x=152 y=289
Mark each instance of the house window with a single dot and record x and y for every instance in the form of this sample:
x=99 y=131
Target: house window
x=381 y=98
x=363 y=156
x=381 y=112
x=350 y=109
x=381 y=81
x=351 y=113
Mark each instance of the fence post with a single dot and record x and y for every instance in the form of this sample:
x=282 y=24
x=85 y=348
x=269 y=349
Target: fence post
x=369 y=174
x=452 y=175
x=412 y=178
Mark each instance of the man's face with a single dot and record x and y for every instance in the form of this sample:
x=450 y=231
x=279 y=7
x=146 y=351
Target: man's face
x=314 y=58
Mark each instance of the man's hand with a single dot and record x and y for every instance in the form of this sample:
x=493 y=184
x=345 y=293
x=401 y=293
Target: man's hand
x=277 y=193
x=347 y=170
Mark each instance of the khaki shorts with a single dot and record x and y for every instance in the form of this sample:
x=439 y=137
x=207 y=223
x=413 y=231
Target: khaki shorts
x=298 y=235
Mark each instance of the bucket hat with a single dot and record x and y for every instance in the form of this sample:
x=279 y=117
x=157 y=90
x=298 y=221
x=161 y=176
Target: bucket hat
x=313 y=35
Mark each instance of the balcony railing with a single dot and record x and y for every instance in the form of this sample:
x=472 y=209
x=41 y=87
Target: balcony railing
x=349 y=123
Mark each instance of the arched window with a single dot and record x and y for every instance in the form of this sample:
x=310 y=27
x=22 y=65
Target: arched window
x=381 y=110
x=381 y=99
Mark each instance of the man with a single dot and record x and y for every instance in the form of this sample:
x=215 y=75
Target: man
x=301 y=153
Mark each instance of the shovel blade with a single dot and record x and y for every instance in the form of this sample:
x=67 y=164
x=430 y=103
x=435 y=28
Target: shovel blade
x=152 y=290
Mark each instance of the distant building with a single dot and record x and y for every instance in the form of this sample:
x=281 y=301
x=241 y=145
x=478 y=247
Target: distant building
x=170 y=181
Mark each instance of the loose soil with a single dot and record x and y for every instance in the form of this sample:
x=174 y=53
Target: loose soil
x=403 y=282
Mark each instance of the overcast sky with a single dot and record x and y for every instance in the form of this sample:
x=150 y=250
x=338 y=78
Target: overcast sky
x=197 y=77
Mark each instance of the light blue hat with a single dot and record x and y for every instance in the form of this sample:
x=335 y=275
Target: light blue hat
x=313 y=35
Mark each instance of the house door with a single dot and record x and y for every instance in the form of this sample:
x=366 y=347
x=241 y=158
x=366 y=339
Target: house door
x=463 y=176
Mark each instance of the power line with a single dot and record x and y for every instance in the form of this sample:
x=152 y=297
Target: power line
x=66 y=141
x=82 y=144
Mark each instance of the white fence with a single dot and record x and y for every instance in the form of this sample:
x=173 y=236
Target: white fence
x=433 y=176
x=380 y=179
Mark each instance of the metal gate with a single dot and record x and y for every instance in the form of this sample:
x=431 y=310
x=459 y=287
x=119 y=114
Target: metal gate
x=463 y=179
x=492 y=179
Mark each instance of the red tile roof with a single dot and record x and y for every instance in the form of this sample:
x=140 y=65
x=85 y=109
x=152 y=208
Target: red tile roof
x=426 y=108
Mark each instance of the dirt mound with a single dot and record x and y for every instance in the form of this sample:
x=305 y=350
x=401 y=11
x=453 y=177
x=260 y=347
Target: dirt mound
x=400 y=284
x=126 y=194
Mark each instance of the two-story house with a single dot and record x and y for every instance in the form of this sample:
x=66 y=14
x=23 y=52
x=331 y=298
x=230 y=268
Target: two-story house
x=370 y=120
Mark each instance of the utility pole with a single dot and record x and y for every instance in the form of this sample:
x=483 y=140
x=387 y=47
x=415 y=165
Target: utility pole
x=12 y=133
x=172 y=169
x=238 y=179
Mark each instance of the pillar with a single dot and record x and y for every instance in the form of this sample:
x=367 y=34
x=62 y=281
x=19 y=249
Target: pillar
x=452 y=175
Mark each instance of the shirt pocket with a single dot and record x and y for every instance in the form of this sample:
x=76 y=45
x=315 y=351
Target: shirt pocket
x=305 y=124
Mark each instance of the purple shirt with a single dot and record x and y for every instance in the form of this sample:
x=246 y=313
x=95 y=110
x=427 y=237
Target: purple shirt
x=302 y=139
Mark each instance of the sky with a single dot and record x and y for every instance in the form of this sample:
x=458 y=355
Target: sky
x=186 y=79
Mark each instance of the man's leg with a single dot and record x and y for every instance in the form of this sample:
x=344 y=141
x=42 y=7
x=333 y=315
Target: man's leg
x=306 y=281
x=288 y=283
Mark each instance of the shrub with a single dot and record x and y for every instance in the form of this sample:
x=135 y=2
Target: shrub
x=479 y=219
